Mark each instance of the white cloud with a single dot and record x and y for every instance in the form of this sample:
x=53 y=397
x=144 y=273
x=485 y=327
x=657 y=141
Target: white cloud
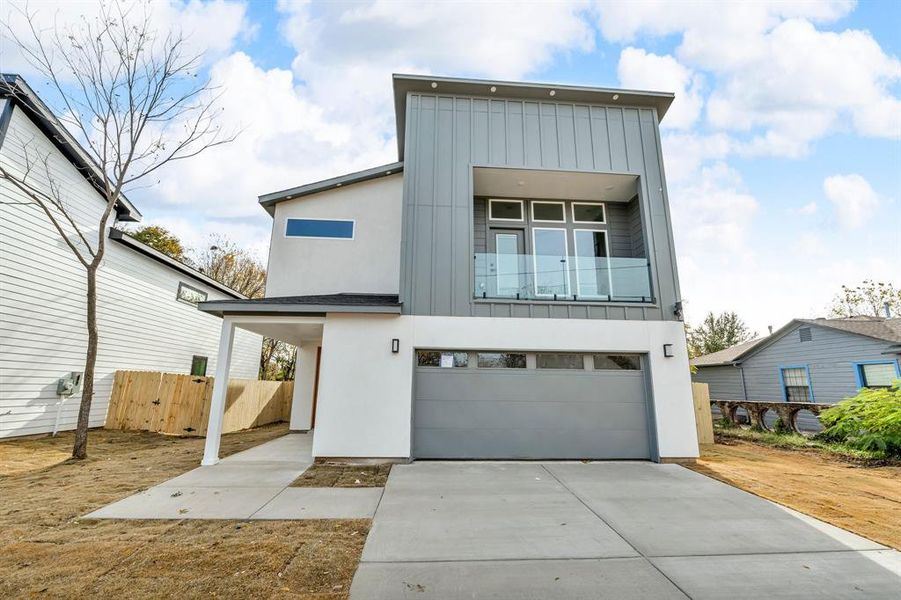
x=210 y=27
x=809 y=244
x=808 y=209
x=684 y=153
x=642 y=70
x=853 y=198
x=774 y=76
x=713 y=214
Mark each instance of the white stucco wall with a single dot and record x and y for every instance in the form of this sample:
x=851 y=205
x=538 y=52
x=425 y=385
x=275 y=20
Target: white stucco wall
x=369 y=263
x=365 y=391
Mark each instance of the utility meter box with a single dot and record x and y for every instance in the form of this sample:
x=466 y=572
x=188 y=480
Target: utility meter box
x=68 y=385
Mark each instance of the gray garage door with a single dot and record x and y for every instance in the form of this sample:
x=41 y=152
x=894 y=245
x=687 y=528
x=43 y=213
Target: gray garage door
x=529 y=413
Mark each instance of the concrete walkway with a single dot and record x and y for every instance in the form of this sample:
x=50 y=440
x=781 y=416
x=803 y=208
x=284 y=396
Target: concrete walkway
x=603 y=530
x=248 y=485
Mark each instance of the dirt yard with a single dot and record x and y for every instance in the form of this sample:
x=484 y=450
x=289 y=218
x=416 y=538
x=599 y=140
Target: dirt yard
x=45 y=549
x=865 y=500
x=344 y=476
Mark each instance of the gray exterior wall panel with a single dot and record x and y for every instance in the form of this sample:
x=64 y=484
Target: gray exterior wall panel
x=724 y=382
x=446 y=136
x=830 y=355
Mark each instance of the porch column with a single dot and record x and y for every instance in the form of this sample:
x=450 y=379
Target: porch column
x=304 y=387
x=220 y=388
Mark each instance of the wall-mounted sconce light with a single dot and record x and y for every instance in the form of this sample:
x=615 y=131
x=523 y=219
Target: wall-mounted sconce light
x=668 y=350
x=678 y=310
x=395 y=345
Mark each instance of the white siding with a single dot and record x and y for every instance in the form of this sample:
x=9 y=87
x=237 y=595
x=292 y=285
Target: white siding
x=42 y=308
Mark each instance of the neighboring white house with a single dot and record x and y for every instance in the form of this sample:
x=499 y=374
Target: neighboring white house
x=146 y=301
x=507 y=289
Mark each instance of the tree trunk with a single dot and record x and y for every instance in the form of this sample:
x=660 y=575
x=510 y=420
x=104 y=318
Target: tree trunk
x=80 y=449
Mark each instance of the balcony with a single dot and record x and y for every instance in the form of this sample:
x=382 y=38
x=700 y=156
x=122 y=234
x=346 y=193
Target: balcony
x=561 y=278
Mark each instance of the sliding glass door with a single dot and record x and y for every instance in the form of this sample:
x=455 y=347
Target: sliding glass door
x=592 y=266
x=550 y=250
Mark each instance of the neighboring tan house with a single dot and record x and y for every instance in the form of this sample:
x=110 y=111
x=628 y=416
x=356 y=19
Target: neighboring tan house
x=807 y=360
x=146 y=301
x=507 y=289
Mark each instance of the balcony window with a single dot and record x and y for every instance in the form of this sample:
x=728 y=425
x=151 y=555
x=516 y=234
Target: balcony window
x=550 y=261
x=505 y=210
x=549 y=212
x=591 y=265
x=589 y=213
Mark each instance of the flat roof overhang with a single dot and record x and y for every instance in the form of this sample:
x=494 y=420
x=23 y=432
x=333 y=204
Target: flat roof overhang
x=485 y=88
x=307 y=306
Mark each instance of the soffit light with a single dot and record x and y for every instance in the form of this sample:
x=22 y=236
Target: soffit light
x=616 y=96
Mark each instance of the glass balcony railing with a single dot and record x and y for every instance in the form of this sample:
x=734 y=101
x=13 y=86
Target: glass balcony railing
x=562 y=278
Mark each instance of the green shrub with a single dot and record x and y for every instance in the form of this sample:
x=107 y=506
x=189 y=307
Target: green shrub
x=870 y=421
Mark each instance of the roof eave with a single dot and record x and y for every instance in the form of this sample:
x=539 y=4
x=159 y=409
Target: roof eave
x=268 y=201
x=17 y=89
x=126 y=240
x=404 y=84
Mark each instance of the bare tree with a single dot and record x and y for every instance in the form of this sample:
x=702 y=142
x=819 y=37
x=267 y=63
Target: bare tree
x=135 y=102
x=229 y=264
x=870 y=298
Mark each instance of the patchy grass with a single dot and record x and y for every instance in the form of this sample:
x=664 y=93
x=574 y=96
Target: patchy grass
x=47 y=550
x=343 y=476
x=853 y=495
x=794 y=441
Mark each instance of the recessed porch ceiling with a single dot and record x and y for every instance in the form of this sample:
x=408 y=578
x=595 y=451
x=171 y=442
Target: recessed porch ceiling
x=563 y=185
x=285 y=330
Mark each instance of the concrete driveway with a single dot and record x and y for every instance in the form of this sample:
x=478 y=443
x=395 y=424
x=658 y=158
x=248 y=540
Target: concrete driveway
x=603 y=530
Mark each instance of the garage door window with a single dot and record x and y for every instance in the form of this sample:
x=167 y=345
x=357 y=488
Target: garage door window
x=502 y=360
x=617 y=362
x=560 y=361
x=442 y=359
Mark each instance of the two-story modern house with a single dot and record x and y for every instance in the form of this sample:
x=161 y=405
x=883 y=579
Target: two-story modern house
x=507 y=289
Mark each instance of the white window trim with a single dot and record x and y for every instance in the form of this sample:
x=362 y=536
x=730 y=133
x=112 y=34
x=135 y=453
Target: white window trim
x=535 y=260
x=353 y=223
x=184 y=285
x=522 y=210
x=532 y=210
x=603 y=212
x=609 y=270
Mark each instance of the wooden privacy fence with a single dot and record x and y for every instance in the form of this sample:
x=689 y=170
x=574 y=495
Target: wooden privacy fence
x=180 y=404
x=700 y=393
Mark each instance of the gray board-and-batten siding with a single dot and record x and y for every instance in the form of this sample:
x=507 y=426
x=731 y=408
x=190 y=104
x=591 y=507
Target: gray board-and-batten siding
x=447 y=136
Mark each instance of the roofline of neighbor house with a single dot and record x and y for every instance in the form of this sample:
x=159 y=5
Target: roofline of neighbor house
x=15 y=88
x=486 y=88
x=126 y=240
x=780 y=333
x=268 y=201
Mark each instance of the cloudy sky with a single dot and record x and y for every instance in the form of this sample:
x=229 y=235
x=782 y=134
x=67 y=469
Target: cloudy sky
x=782 y=149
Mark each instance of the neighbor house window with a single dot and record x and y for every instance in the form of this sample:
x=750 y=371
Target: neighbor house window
x=796 y=384
x=505 y=210
x=560 y=361
x=549 y=211
x=198 y=365
x=502 y=360
x=877 y=375
x=617 y=362
x=589 y=212
x=331 y=229
x=442 y=358
x=190 y=295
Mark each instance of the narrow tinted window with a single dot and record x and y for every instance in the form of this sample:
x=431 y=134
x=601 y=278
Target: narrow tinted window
x=198 y=366
x=320 y=228
x=617 y=362
x=502 y=360
x=560 y=361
